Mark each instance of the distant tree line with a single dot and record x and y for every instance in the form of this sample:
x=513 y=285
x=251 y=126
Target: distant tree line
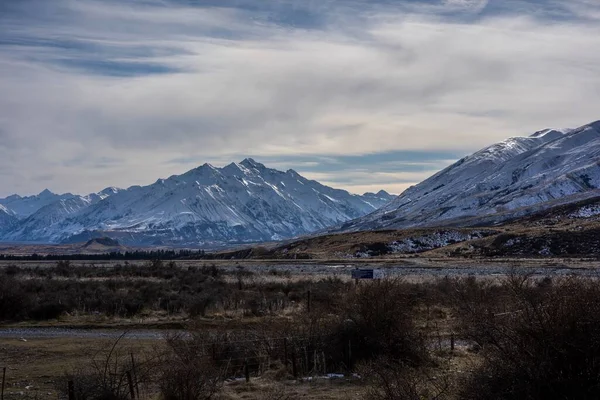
x=127 y=255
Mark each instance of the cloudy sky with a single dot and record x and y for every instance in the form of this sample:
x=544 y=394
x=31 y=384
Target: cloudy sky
x=359 y=94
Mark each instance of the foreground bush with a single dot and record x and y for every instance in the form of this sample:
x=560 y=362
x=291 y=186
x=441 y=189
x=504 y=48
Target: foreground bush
x=391 y=380
x=109 y=375
x=379 y=322
x=546 y=346
x=14 y=302
x=187 y=371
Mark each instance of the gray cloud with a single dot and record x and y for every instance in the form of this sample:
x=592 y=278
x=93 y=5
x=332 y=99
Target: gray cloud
x=141 y=84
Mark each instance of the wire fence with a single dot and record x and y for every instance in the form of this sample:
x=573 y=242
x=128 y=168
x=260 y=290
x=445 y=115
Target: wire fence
x=127 y=369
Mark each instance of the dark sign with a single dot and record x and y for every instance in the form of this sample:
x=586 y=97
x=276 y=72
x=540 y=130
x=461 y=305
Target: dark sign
x=367 y=274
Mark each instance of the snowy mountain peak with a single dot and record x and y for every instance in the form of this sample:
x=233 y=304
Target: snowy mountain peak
x=25 y=206
x=594 y=125
x=12 y=197
x=203 y=174
x=110 y=190
x=250 y=163
x=103 y=194
x=241 y=202
x=589 y=129
x=234 y=169
x=500 y=179
x=381 y=193
x=206 y=167
x=46 y=193
x=550 y=134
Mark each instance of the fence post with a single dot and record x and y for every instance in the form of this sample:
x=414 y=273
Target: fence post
x=324 y=364
x=246 y=371
x=3 y=380
x=71 y=390
x=131 y=388
x=349 y=355
x=294 y=366
x=305 y=363
x=135 y=377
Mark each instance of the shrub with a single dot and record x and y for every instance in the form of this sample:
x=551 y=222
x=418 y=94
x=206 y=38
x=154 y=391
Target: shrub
x=188 y=372
x=378 y=321
x=200 y=304
x=14 y=302
x=390 y=380
x=47 y=311
x=106 y=376
x=546 y=346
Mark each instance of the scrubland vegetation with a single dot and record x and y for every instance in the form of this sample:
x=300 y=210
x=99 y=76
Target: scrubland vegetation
x=513 y=337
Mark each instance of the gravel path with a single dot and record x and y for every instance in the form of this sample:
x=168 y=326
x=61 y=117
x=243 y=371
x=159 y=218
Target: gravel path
x=46 y=333
x=427 y=271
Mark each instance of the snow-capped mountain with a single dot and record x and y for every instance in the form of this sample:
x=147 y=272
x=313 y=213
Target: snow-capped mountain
x=513 y=175
x=377 y=199
x=23 y=207
x=40 y=225
x=241 y=202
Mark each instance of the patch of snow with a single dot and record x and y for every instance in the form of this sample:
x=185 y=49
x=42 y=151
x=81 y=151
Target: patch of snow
x=586 y=212
x=433 y=241
x=512 y=241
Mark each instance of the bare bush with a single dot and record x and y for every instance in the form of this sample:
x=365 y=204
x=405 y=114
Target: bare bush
x=14 y=302
x=110 y=375
x=391 y=380
x=379 y=321
x=547 y=345
x=188 y=372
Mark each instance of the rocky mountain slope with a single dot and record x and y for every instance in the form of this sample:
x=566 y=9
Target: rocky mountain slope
x=564 y=231
x=7 y=219
x=242 y=202
x=500 y=181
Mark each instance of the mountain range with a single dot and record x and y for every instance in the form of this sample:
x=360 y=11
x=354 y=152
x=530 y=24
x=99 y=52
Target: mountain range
x=248 y=202
x=242 y=202
x=512 y=178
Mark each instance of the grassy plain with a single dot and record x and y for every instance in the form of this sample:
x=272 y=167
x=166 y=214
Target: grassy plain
x=61 y=319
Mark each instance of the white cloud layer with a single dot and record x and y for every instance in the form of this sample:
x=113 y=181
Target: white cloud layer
x=101 y=93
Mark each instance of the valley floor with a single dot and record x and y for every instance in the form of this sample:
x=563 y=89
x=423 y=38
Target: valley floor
x=68 y=317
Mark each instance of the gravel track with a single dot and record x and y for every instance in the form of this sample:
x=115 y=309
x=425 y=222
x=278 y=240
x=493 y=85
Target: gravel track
x=48 y=333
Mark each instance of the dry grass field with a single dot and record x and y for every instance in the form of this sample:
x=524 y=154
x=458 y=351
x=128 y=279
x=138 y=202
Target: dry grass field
x=38 y=369
x=290 y=324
